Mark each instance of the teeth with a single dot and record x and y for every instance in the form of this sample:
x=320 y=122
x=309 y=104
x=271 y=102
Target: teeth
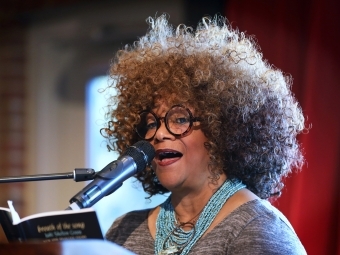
x=169 y=154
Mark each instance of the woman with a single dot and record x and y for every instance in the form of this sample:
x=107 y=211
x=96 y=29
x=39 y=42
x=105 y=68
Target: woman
x=223 y=123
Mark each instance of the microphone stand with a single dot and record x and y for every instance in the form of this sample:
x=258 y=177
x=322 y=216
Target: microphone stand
x=78 y=175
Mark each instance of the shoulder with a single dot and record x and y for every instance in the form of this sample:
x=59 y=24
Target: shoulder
x=259 y=227
x=126 y=225
x=131 y=231
x=133 y=217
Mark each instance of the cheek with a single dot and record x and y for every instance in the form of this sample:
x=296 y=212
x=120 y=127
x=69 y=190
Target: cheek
x=197 y=153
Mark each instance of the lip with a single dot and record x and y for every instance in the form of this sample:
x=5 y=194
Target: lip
x=166 y=161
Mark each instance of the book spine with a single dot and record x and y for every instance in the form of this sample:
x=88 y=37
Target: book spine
x=12 y=232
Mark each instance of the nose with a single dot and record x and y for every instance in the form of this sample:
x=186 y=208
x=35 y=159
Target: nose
x=162 y=133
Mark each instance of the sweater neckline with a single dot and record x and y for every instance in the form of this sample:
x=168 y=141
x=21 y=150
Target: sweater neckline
x=221 y=223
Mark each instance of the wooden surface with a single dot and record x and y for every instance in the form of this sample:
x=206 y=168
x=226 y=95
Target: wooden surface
x=71 y=247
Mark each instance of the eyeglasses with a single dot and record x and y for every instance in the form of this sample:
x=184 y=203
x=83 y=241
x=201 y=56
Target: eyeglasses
x=178 y=121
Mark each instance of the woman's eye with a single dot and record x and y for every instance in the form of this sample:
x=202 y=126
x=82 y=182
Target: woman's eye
x=151 y=125
x=182 y=120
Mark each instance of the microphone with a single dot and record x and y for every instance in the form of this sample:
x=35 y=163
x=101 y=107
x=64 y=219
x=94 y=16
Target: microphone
x=110 y=178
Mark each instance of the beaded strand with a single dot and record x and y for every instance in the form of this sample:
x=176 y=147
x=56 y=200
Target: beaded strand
x=172 y=239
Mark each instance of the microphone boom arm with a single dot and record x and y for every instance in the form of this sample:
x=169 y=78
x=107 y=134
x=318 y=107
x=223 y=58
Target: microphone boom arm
x=78 y=175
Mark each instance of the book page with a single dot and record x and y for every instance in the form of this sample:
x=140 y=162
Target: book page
x=46 y=214
x=5 y=209
x=15 y=215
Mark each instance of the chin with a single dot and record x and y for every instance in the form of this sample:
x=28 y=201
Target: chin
x=170 y=184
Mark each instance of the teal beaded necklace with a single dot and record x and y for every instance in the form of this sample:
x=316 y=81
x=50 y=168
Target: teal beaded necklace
x=172 y=239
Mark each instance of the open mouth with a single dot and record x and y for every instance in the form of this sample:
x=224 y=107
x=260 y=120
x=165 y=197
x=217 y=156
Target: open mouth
x=167 y=154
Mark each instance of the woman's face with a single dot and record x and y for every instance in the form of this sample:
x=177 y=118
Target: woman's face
x=181 y=164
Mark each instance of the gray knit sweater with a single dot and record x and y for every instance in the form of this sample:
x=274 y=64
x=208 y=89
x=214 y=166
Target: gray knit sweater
x=255 y=227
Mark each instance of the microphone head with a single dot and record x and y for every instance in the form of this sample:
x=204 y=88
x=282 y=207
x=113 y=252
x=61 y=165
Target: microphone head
x=142 y=152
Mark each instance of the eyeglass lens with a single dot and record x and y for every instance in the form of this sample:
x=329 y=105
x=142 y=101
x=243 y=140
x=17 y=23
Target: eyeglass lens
x=177 y=121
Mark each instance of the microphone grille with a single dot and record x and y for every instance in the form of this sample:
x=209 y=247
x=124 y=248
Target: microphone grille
x=142 y=152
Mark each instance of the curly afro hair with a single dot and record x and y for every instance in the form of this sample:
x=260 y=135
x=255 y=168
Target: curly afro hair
x=250 y=116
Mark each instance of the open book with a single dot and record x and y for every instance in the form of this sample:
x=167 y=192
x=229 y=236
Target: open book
x=50 y=226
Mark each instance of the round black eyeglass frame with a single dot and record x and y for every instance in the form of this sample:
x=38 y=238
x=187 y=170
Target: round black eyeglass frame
x=158 y=119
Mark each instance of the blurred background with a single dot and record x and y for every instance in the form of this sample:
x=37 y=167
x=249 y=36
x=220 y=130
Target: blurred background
x=54 y=59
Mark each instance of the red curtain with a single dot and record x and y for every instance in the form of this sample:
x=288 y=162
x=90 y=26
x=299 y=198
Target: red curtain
x=302 y=39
